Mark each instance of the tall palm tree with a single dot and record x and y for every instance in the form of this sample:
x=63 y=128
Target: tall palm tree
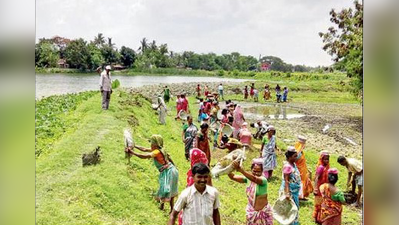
x=163 y=49
x=110 y=44
x=144 y=45
x=99 y=40
x=153 y=45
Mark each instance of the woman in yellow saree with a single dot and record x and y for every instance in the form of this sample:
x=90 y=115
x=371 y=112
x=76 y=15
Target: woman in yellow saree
x=307 y=186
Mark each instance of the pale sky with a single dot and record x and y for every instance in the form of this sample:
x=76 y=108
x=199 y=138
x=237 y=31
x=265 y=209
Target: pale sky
x=284 y=28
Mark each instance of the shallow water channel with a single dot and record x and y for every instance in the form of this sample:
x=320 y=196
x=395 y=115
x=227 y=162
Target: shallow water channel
x=267 y=111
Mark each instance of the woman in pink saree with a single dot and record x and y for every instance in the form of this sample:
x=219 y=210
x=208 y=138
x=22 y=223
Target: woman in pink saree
x=184 y=104
x=238 y=120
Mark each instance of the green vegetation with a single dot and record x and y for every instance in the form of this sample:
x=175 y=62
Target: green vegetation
x=88 y=55
x=344 y=43
x=50 y=118
x=115 y=84
x=115 y=192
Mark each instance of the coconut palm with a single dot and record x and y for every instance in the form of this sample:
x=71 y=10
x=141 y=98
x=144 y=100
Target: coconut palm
x=163 y=49
x=99 y=40
x=144 y=45
x=110 y=44
x=153 y=46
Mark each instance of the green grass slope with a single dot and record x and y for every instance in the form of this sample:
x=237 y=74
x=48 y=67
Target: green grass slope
x=114 y=192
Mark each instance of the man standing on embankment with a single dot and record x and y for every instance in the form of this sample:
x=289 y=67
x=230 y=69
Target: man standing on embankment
x=105 y=87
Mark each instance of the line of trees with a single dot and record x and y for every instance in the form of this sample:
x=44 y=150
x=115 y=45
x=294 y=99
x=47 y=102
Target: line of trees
x=344 y=42
x=88 y=55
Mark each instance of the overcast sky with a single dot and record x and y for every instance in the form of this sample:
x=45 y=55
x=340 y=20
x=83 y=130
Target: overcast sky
x=285 y=28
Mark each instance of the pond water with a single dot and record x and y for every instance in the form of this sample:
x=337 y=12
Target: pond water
x=266 y=111
x=54 y=84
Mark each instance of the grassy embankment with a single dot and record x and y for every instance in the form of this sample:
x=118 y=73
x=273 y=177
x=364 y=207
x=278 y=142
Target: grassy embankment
x=116 y=193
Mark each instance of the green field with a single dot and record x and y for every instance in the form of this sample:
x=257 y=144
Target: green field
x=115 y=192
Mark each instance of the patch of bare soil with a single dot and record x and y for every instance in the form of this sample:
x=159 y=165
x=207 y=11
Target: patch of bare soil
x=337 y=128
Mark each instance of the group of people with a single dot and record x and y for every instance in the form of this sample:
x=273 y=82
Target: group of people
x=208 y=93
x=199 y=203
x=254 y=93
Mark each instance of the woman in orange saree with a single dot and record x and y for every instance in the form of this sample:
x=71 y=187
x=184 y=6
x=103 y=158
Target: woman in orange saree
x=321 y=177
x=307 y=186
x=332 y=199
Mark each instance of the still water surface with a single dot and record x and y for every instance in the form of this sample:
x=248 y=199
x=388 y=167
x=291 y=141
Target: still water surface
x=54 y=84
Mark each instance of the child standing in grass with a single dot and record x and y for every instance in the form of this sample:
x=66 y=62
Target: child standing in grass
x=256 y=95
x=285 y=94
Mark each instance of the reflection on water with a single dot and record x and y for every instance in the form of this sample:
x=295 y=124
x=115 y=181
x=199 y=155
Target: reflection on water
x=53 y=84
x=254 y=111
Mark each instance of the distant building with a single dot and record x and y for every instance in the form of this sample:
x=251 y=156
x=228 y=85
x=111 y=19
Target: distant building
x=62 y=63
x=264 y=66
x=118 y=67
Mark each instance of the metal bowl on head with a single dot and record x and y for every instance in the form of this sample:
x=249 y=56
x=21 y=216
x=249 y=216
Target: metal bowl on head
x=227 y=129
x=183 y=115
x=215 y=126
x=219 y=115
x=154 y=106
x=284 y=210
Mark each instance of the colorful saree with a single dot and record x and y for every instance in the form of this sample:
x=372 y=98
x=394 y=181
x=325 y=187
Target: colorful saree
x=189 y=136
x=168 y=177
x=238 y=120
x=203 y=145
x=162 y=110
x=269 y=155
x=166 y=95
x=261 y=217
x=331 y=206
x=294 y=185
x=307 y=186
x=322 y=172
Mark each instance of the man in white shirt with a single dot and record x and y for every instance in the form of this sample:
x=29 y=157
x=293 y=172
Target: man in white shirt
x=220 y=89
x=200 y=202
x=106 y=87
